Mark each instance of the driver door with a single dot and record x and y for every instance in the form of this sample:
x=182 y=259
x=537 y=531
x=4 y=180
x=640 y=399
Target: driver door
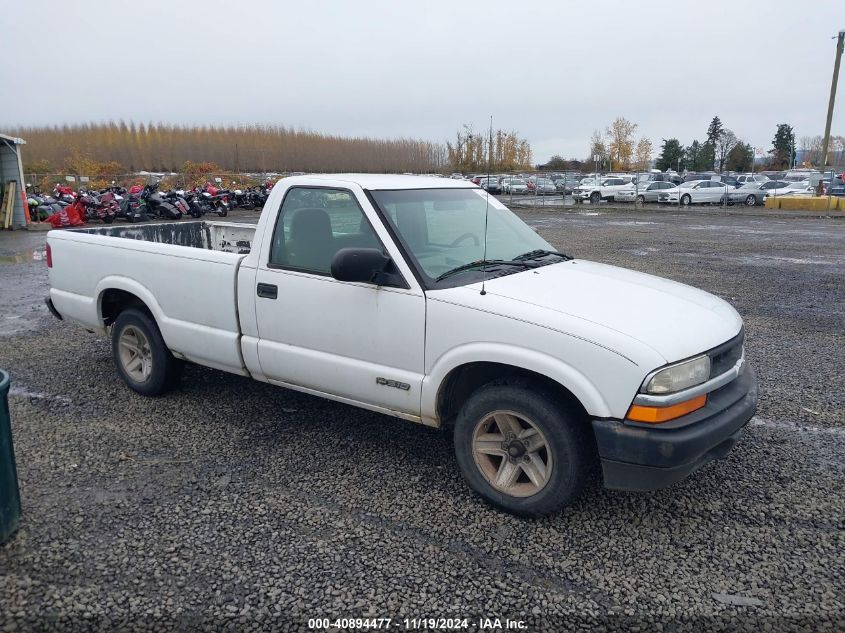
x=356 y=342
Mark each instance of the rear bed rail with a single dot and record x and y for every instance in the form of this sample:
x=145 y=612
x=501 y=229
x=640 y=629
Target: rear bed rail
x=229 y=237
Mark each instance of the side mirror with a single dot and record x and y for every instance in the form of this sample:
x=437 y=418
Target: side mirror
x=367 y=265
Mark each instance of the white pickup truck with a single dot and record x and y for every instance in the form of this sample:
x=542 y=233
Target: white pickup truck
x=428 y=300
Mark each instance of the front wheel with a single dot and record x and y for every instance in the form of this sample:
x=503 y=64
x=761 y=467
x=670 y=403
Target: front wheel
x=521 y=450
x=595 y=197
x=751 y=201
x=222 y=212
x=641 y=199
x=141 y=355
x=686 y=199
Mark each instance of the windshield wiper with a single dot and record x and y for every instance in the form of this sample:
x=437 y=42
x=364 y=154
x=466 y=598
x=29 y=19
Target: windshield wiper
x=536 y=254
x=492 y=263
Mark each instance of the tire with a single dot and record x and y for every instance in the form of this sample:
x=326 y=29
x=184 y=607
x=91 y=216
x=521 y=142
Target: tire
x=222 y=212
x=150 y=369
x=641 y=199
x=595 y=197
x=565 y=453
x=751 y=200
x=686 y=199
x=108 y=219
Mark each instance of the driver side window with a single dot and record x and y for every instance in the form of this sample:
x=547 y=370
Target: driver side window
x=313 y=224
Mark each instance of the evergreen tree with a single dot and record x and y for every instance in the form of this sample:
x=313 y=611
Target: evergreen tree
x=783 y=146
x=714 y=130
x=707 y=156
x=694 y=157
x=671 y=155
x=740 y=157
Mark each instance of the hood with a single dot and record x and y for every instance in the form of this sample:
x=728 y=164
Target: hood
x=675 y=320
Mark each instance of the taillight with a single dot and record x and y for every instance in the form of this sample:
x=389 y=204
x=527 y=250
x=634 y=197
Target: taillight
x=49 y=257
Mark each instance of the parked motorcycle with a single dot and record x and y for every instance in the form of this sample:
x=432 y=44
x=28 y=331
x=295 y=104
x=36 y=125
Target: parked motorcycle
x=132 y=208
x=157 y=205
x=93 y=206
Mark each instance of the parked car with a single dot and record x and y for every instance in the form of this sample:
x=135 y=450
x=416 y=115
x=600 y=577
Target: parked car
x=514 y=186
x=596 y=191
x=490 y=184
x=644 y=192
x=837 y=188
x=749 y=194
x=785 y=188
x=543 y=187
x=382 y=292
x=800 y=175
x=567 y=185
x=746 y=178
x=695 y=192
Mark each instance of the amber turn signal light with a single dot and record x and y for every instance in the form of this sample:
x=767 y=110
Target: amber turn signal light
x=656 y=415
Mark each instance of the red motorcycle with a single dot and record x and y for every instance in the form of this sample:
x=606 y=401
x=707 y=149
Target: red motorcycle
x=93 y=207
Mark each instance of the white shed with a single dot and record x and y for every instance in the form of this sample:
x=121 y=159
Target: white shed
x=11 y=168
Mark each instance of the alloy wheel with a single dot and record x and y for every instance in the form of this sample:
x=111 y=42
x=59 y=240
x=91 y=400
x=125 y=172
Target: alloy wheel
x=512 y=453
x=135 y=354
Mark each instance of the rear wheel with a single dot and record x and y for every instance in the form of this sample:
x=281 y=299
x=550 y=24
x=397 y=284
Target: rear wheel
x=108 y=219
x=141 y=356
x=521 y=450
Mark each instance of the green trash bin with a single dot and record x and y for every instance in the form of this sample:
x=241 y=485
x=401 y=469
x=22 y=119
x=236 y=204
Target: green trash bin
x=10 y=495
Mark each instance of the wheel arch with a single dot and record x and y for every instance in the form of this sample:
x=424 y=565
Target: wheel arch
x=452 y=380
x=115 y=294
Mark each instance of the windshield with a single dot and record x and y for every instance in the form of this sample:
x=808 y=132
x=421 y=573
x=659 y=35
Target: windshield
x=517 y=181
x=443 y=229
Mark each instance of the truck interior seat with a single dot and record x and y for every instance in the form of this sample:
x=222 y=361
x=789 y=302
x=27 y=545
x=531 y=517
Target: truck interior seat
x=311 y=243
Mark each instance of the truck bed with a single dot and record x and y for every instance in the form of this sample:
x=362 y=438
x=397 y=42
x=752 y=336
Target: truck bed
x=186 y=273
x=227 y=237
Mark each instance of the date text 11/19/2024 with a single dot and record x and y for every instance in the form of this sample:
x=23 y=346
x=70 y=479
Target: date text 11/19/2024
x=412 y=624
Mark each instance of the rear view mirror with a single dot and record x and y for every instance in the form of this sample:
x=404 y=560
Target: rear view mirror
x=367 y=265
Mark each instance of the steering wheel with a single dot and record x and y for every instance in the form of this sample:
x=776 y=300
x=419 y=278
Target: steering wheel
x=461 y=238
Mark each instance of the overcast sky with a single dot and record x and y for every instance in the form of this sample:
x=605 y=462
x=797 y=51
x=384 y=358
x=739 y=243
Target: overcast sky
x=553 y=71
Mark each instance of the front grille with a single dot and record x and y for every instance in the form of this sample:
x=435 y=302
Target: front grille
x=725 y=356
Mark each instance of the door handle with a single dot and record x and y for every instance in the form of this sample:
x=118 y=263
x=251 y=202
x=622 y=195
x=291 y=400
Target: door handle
x=267 y=291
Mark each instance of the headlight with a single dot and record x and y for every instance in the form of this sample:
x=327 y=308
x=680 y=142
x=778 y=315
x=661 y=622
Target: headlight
x=679 y=377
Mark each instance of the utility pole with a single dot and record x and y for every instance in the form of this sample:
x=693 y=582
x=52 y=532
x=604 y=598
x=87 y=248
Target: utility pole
x=839 y=45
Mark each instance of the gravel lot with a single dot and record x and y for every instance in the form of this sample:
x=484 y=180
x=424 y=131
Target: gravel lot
x=233 y=505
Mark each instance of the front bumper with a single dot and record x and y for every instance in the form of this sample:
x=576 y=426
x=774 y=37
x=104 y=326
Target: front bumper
x=639 y=457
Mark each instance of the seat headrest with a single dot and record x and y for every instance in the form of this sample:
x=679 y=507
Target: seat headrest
x=311 y=222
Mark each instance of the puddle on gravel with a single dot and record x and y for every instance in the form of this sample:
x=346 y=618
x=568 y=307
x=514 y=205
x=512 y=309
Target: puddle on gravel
x=764 y=259
x=32 y=255
x=23 y=392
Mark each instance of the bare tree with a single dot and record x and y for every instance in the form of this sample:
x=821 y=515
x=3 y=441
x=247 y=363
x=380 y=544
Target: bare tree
x=597 y=147
x=725 y=142
x=621 y=141
x=644 y=150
